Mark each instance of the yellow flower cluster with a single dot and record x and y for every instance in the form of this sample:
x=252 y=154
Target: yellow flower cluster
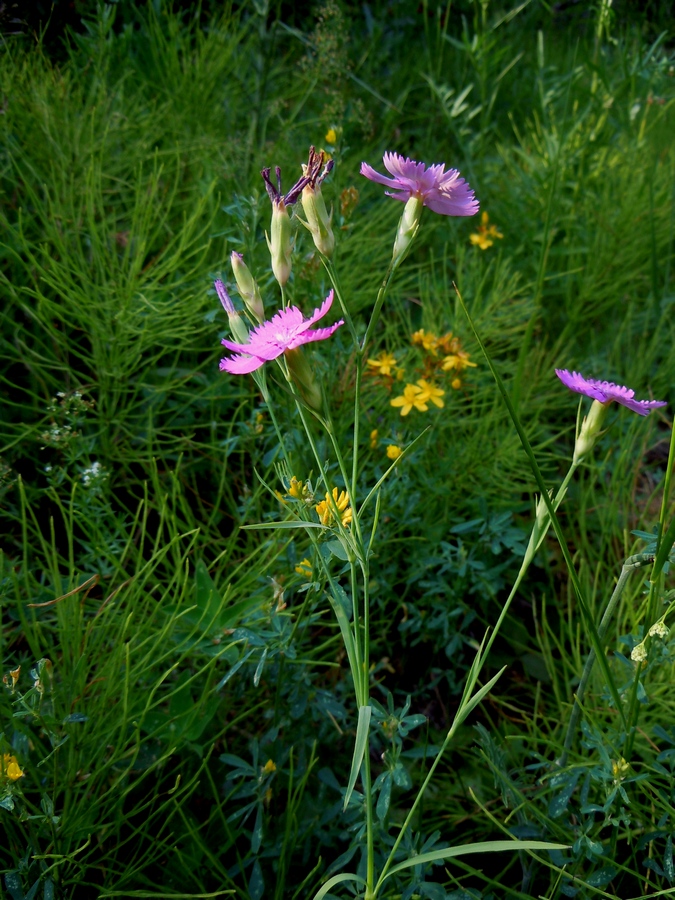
x=428 y=341
x=384 y=364
x=10 y=768
x=444 y=353
x=304 y=567
x=418 y=395
x=484 y=237
x=297 y=490
x=341 y=502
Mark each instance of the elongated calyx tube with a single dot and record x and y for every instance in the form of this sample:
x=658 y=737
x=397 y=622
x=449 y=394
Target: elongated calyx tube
x=591 y=429
x=408 y=226
x=248 y=286
x=280 y=241
x=304 y=378
x=314 y=206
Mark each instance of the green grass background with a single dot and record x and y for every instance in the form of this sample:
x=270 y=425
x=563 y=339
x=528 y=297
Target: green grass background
x=129 y=170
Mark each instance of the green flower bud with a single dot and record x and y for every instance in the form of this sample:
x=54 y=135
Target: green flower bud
x=248 y=286
x=281 y=243
x=237 y=325
x=318 y=220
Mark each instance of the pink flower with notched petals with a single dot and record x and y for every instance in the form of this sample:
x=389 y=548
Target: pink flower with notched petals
x=443 y=192
x=606 y=391
x=284 y=331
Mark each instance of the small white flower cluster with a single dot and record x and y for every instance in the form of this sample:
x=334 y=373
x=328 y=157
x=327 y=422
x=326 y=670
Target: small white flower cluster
x=659 y=630
x=57 y=434
x=93 y=474
x=639 y=652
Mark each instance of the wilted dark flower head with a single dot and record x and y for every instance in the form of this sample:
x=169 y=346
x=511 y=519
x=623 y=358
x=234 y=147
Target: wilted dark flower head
x=313 y=170
x=275 y=193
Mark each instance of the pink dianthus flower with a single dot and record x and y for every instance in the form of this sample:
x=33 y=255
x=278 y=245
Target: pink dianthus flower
x=606 y=391
x=286 y=330
x=443 y=192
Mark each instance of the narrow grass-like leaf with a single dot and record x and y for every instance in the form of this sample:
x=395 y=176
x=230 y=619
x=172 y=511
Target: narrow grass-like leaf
x=378 y=484
x=281 y=526
x=465 y=709
x=481 y=847
x=360 y=745
x=665 y=549
x=337 y=879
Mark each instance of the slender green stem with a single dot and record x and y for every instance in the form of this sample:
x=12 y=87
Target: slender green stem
x=370 y=836
x=358 y=675
x=350 y=487
x=262 y=384
x=546 y=499
x=632 y=563
x=360 y=350
x=633 y=706
x=357 y=418
x=413 y=808
x=360 y=356
x=365 y=572
x=588 y=668
x=665 y=499
x=360 y=687
x=379 y=300
x=537 y=536
x=332 y=274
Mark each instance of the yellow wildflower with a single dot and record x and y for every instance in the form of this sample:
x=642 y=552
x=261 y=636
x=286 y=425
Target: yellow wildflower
x=410 y=398
x=430 y=392
x=331 y=136
x=373 y=439
x=10 y=767
x=620 y=768
x=485 y=232
x=13 y=676
x=269 y=767
x=393 y=452
x=304 y=567
x=426 y=339
x=325 y=508
x=383 y=363
x=456 y=384
x=297 y=489
x=458 y=361
x=448 y=344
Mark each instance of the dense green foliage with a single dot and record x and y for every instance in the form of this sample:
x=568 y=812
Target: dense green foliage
x=182 y=714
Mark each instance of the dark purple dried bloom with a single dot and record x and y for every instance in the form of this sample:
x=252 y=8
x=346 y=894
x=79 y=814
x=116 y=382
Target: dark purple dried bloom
x=275 y=194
